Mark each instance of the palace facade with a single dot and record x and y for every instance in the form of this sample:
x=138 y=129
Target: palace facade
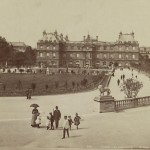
x=56 y=50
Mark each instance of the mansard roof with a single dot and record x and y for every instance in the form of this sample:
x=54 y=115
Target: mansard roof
x=18 y=44
x=54 y=37
x=127 y=37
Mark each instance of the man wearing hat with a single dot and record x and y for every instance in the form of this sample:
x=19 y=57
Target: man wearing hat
x=57 y=116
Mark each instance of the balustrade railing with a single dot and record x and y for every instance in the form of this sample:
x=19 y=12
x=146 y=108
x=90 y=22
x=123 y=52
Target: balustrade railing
x=131 y=103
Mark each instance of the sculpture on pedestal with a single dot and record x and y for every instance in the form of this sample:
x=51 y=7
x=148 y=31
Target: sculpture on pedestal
x=103 y=89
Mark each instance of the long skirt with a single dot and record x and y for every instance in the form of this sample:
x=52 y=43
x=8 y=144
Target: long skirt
x=34 y=117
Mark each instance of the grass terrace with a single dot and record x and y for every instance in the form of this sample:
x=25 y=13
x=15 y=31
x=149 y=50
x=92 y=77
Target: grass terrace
x=42 y=84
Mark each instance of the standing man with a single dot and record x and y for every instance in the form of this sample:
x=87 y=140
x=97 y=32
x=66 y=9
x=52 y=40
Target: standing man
x=65 y=127
x=57 y=116
x=118 y=81
x=27 y=93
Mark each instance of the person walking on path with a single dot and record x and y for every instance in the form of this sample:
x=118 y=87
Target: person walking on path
x=57 y=116
x=118 y=81
x=123 y=76
x=47 y=122
x=51 y=121
x=65 y=127
x=77 y=120
x=70 y=121
x=34 y=117
x=38 y=120
x=27 y=93
x=30 y=92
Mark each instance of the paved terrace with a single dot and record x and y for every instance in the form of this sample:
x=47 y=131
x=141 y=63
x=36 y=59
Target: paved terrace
x=127 y=129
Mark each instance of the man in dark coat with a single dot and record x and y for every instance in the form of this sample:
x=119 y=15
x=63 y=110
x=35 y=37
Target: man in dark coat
x=57 y=116
x=27 y=93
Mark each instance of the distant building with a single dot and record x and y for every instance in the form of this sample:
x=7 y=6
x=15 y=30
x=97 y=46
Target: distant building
x=145 y=51
x=55 y=50
x=19 y=46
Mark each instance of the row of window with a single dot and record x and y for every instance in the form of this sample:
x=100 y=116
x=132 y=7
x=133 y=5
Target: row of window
x=98 y=55
x=48 y=54
x=88 y=48
x=119 y=56
x=102 y=48
x=48 y=47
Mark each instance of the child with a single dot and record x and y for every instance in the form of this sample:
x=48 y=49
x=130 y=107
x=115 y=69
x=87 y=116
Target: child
x=51 y=121
x=77 y=120
x=48 y=122
x=70 y=121
x=65 y=127
x=38 y=120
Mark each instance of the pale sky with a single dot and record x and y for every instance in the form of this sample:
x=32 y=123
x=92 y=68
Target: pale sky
x=25 y=20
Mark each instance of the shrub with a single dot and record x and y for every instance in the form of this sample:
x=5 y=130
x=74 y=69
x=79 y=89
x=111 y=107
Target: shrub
x=56 y=85
x=33 y=86
x=73 y=84
x=4 y=87
x=46 y=86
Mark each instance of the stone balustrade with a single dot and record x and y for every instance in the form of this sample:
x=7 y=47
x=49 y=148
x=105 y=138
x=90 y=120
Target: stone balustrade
x=109 y=104
x=132 y=103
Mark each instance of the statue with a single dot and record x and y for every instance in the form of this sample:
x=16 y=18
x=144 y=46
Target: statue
x=103 y=89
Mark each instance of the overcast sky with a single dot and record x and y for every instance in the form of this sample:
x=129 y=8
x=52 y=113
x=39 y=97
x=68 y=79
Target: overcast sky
x=25 y=20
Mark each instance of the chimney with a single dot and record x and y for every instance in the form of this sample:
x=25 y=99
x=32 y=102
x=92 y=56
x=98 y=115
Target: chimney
x=132 y=34
x=67 y=39
x=83 y=38
x=44 y=33
x=96 y=38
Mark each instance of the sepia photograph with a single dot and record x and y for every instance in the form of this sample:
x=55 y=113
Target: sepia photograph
x=74 y=74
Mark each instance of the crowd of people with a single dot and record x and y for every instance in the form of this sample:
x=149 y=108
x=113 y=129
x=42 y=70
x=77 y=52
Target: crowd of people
x=55 y=118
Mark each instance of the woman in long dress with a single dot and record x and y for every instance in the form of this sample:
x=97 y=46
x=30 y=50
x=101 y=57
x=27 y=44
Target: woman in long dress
x=77 y=120
x=35 y=113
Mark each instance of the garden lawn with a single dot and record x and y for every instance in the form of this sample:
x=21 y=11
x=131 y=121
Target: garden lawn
x=17 y=84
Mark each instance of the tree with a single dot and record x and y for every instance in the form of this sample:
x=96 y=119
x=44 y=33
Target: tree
x=116 y=64
x=46 y=86
x=73 y=84
x=56 y=85
x=20 y=59
x=33 y=86
x=6 y=52
x=30 y=55
x=66 y=84
x=131 y=87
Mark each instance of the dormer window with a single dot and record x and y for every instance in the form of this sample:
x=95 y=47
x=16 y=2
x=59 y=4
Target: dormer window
x=41 y=46
x=127 y=48
x=54 y=47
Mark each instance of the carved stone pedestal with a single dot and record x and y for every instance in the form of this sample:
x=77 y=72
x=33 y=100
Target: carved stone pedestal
x=106 y=103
